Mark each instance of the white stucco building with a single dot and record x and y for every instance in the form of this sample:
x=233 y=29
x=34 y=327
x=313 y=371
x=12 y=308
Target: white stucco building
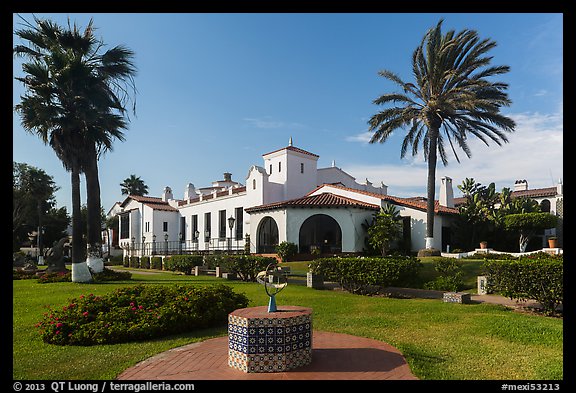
x=288 y=198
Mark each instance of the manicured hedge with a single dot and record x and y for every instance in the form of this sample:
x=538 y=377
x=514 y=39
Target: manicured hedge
x=182 y=263
x=361 y=275
x=246 y=267
x=156 y=263
x=139 y=313
x=537 y=276
x=145 y=262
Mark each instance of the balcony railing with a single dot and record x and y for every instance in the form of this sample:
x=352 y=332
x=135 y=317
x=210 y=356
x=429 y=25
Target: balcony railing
x=212 y=245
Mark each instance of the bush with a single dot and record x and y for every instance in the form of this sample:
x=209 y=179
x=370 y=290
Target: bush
x=55 y=277
x=286 y=250
x=156 y=263
x=23 y=275
x=135 y=262
x=361 y=275
x=246 y=267
x=450 y=276
x=111 y=275
x=139 y=313
x=145 y=262
x=126 y=262
x=429 y=252
x=538 y=276
x=182 y=263
x=115 y=260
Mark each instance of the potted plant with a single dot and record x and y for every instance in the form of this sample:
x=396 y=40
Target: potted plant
x=552 y=242
x=483 y=244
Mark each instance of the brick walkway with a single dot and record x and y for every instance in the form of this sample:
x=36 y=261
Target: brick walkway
x=334 y=356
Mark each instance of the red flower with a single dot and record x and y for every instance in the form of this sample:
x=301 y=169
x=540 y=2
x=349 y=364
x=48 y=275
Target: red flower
x=85 y=313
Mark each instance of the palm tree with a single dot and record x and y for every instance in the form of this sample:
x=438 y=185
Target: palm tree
x=133 y=185
x=450 y=100
x=75 y=101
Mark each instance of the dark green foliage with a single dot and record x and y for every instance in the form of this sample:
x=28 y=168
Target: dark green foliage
x=537 y=276
x=246 y=267
x=361 y=275
x=23 y=275
x=450 y=276
x=134 y=262
x=286 y=250
x=145 y=262
x=156 y=263
x=55 y=277
x=126 y=262
x=182 y=263
x=111 y=275
x=139 y=313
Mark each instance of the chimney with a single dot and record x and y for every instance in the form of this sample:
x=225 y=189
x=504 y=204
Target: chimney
x=227 y=176
x=167 y=194
x=559 y=188
x=446 y=192
x=520 y=185
x=189 y=191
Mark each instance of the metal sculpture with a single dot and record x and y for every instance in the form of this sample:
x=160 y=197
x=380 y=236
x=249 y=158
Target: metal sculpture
x=274 y=280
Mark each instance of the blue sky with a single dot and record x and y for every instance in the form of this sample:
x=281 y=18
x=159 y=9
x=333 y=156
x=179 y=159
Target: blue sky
x=216 y=91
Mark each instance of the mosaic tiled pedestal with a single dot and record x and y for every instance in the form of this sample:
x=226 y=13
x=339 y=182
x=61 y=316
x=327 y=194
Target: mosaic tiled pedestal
x=260 y=341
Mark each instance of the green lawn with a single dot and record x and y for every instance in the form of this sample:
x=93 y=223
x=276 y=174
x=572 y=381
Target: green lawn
x=439 y=340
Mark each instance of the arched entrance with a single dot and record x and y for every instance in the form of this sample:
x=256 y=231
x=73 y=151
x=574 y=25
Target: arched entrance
x=320 y=231
x=267 y=236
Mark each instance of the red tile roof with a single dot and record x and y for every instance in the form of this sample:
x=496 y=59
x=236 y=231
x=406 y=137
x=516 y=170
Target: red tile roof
x=292 y=148
x=152 y=202
x=326 y=199
x=535 y=193
x=418 y=203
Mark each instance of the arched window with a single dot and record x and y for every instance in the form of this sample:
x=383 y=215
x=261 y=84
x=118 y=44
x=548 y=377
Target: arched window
x=267 y=236
x=545 y=206
x=320 y=231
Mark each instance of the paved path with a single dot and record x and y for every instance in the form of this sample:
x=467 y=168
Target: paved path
x=334 y=356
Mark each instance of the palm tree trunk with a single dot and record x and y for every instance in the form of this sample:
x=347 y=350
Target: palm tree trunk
x=431 y=195
x=80 y=271
x=94 y=243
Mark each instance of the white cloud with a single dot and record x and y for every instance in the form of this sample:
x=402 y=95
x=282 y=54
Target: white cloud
x=534 y=153
x=363 y=137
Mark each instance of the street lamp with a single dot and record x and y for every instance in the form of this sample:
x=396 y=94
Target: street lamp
x=180 y=238
x=230 y=225
x=143 y=244
x=166 y=243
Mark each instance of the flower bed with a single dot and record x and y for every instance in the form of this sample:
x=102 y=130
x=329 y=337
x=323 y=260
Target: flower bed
x=138 y=313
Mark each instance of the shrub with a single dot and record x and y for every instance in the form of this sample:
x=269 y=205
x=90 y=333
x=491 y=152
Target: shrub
x=55 y=277
x=115 y=260
x=450 y=276
x=182 y=263
x=135 y=262
x=537 y=276
x=145 y=262
x=126 y=262
x=286 y=250
x=246 y=267
x=156 y=263
x=139 y=313
x=111 y=275
x=23 y=275
x=361 y=275
x=429 y=252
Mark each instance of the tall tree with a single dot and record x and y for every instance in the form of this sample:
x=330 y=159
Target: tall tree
x=75 y=101
x=451 y=100
x=134 y=185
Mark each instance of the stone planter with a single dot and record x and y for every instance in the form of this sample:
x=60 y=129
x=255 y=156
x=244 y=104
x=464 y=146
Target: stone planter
x=552 y=243
x=483 y=245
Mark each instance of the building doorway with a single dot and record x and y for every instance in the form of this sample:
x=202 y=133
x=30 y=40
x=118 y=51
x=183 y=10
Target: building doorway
x=322 y=232
x=267 y=236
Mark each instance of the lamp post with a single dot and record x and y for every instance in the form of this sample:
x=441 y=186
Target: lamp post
x=166 y=243
x=133 y=245
x=180 y=237
x=153 y=244
x=207 y=239
x=196 y=236
x=143 y=244
x=230 y=225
